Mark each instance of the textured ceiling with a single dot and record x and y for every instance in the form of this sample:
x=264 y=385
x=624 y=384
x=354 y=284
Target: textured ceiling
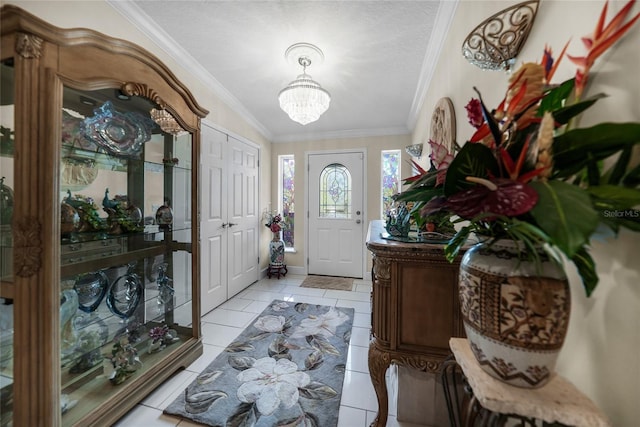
x=377 y=63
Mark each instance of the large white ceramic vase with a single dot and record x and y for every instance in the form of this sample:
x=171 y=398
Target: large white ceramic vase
x=276 y=251
x=515 y=312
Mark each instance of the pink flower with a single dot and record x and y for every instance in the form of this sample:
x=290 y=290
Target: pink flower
x=440 y=157
x=275 y=227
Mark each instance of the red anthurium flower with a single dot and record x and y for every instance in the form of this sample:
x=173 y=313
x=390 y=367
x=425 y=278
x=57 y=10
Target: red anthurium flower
x=499 y=196
x=433 y=206
x=603 y=37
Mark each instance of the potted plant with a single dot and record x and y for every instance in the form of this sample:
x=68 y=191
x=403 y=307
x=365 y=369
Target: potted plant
x=533 y=187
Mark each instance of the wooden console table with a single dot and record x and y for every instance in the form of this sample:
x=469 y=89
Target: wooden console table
x=492 y=402
x=415 y=309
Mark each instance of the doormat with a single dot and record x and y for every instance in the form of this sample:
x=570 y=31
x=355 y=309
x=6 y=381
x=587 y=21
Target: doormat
x=286 y=369
x=328 y=282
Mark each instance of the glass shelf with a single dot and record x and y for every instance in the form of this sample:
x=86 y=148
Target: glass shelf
x=102 y=160
x=110 y=268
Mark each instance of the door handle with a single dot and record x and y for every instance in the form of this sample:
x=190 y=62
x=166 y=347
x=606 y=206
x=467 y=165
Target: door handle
x=358 y=221
x=224 y=225
x=231 y=224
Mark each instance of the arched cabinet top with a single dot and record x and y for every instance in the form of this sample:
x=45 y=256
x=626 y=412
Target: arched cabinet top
x=81 y=53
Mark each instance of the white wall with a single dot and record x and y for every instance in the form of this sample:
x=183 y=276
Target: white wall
x=600 y=355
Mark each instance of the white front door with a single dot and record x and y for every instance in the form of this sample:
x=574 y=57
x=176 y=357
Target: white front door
x=335 y=220
x=229 y=217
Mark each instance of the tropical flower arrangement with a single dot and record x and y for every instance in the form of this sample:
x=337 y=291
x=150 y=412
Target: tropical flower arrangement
x=528 y=174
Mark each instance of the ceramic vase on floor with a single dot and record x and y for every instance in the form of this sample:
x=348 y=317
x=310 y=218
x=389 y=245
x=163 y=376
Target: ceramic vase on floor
x=276 y=251
x=515 y=311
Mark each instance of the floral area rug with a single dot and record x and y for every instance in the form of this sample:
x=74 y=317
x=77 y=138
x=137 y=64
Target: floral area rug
x=286 y=369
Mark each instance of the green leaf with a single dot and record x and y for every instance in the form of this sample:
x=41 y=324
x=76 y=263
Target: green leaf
x=615 y=175
x=474 y=159
x=615 y=196
x=452 y=248
x=417 y=194
x=586 y=269
x=593 y=172
x=630 y=220
x=563 y=115
x=633 y=177
x=555 y=98
x=564 y=212
x=573 y=149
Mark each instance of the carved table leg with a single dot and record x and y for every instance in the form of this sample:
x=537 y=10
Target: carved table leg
x=379 y=362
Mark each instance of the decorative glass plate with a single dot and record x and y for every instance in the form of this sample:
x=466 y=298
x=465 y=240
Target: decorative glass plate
x=121 y=134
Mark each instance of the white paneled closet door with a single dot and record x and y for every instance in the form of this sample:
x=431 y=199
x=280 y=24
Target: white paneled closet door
x=229 y=218
x=213 y=214
x=242 y=214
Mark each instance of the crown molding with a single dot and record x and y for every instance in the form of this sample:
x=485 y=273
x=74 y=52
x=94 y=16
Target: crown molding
x=444 y=18
x=340 y=134
x=146 y=25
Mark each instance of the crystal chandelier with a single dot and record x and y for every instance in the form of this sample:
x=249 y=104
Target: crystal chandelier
x=304 y=100
x=167 y=122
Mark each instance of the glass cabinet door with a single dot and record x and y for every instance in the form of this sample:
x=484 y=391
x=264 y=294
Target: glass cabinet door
x=125 y=243
x=6 y=258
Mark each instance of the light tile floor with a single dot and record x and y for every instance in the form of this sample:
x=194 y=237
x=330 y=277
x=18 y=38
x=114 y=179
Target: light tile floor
x=221 y=326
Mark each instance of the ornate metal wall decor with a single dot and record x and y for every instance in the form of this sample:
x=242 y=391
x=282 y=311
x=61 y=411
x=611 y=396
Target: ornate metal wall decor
x=495 y=43
x=414 y=150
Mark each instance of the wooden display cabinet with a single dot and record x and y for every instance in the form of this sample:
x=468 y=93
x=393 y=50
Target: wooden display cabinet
x=99 y=224
x=415 y=310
